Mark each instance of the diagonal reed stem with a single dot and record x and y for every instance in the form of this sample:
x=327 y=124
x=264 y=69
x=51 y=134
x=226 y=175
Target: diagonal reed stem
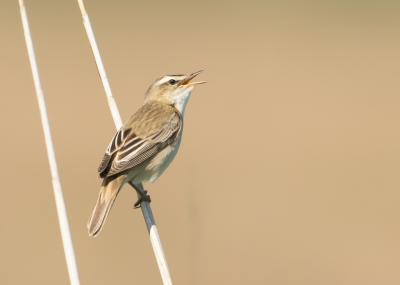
x=145 y=206
x=61 y=210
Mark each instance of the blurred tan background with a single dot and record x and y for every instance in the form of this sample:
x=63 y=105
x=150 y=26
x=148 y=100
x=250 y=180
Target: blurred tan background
x=289 y=168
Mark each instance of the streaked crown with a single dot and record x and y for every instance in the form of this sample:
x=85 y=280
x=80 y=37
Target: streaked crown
x=172 y=86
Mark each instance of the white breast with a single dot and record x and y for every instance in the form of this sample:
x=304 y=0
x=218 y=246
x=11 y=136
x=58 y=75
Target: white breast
x=159 y=163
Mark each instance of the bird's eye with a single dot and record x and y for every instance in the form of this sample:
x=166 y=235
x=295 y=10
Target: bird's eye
x=172 y=82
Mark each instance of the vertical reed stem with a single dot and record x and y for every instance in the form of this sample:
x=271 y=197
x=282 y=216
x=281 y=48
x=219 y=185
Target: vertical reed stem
x=61 y=210
x=145 y=206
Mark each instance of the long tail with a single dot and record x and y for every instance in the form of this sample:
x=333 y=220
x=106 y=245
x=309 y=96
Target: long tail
x=108 y=193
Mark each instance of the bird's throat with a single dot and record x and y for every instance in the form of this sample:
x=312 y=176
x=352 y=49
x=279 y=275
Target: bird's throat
x=181 y=101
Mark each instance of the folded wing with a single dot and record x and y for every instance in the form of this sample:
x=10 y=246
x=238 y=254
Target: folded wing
x=128 y=148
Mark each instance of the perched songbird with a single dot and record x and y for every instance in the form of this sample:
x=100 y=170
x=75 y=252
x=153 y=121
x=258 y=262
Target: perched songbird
x=145 y=145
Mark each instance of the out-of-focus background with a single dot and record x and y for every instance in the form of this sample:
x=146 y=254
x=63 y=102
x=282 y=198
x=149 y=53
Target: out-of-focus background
x=288 y=172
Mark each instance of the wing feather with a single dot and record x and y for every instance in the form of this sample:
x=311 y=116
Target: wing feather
x=128 y=149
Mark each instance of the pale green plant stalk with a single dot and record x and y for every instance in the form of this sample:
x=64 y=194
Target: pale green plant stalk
x=61 y=210
x=145 y=206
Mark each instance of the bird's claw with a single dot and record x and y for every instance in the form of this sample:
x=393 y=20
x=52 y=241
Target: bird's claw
x=143 y=197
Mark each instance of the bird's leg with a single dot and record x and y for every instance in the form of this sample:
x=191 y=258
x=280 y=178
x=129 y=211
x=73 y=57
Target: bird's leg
x=143 y=196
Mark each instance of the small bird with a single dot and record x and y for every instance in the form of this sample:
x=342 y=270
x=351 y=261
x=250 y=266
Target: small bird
x=145 y=145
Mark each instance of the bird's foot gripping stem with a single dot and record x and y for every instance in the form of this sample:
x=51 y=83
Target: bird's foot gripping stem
x=143 y=196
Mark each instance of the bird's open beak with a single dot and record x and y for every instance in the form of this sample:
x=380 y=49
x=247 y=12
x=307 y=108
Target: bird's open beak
x=190 y=77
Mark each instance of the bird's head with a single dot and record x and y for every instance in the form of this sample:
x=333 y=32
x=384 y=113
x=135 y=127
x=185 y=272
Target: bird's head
x=173 y=89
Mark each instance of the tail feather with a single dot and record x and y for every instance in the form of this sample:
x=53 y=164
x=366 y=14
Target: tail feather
x=108 y=193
